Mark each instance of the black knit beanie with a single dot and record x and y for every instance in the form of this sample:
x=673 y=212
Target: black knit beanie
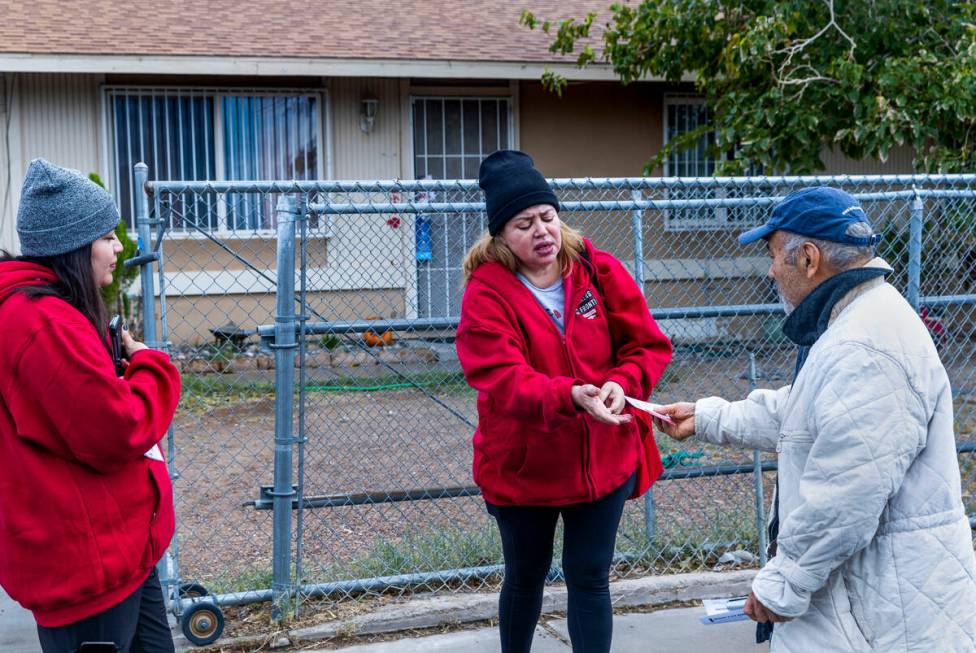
x=511 y=184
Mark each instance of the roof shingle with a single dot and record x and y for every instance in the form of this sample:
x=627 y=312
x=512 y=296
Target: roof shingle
x=432 y=30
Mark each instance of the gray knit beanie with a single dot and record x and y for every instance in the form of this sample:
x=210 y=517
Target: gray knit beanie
x=60 y=210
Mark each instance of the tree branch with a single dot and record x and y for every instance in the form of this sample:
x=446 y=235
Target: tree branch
x=784 y=74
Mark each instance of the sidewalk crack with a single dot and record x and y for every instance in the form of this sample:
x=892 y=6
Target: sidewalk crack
x=555 y=633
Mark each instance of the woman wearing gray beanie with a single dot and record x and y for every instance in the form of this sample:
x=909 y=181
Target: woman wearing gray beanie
x=553 y=335
x=86 y=506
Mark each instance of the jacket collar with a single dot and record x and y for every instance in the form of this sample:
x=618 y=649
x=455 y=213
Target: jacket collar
x=825 y=302
x=15 y=275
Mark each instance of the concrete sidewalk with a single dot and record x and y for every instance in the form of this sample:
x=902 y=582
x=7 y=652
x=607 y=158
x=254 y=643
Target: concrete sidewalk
x=18 y=633
x=671 y=630
x=664 y=631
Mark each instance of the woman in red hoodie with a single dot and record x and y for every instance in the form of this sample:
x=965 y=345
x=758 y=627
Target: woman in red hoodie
x=553 y=335
x=86 y=505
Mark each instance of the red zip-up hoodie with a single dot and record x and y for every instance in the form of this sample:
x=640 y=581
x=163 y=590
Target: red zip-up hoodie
x=84 y=513
x=532 y=445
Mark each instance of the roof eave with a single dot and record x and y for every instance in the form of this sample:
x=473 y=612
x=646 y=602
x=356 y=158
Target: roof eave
x=294 y=66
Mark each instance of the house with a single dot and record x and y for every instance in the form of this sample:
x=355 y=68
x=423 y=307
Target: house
x=362 y=89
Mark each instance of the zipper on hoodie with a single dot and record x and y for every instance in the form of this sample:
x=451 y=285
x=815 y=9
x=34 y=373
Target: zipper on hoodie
x=570 y=314
x=590 y=488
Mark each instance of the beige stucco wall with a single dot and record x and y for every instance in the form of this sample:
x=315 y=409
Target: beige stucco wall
x=599 y=129
x=595 y=129
x=605 y=129
x=197 y=253
x=191 y=318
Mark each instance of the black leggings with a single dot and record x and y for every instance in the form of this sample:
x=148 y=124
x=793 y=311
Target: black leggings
x=527 y=538
x=136 y=625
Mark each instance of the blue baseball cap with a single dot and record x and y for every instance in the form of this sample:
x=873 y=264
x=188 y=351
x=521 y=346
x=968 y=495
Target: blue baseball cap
x=820 y=212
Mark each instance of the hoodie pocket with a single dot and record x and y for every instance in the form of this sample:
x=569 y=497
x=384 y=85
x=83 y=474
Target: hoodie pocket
x=843 y=612
x=162 y=519
x=857 y=610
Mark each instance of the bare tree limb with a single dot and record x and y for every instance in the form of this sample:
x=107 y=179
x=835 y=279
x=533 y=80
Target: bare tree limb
x=785 y=74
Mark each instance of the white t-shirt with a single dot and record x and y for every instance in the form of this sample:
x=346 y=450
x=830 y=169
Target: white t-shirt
x=552 y=299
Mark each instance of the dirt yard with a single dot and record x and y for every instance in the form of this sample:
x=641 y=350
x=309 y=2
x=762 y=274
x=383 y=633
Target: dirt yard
x=398 y=438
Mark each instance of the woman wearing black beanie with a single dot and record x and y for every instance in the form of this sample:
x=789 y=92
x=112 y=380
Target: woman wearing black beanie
x=554 y=334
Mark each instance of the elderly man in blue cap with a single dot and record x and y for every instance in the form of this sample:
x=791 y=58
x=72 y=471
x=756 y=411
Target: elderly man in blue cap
x=871 y=549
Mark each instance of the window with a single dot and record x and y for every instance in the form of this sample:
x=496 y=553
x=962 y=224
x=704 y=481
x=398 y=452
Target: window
x=212 y=134
x=685 y=114
x=682 y=115
x=451 y=135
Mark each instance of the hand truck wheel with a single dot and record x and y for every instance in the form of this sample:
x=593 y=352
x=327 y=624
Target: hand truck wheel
x=202 y=623
x=193 y=591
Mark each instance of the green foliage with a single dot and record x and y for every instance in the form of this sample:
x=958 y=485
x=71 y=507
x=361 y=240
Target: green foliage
x=252 y=577
x=425 y=549
x=784 y=79
x=116 y=300
x=331 y=341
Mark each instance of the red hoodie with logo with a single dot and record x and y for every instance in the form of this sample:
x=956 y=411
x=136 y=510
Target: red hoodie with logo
x=532 y=445
x=84 y=511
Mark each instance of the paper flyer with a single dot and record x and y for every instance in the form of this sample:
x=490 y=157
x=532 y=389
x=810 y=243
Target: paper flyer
x=720 y=611
x=653 y=409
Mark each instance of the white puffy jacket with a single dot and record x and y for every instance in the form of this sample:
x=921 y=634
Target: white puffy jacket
x=875 y=551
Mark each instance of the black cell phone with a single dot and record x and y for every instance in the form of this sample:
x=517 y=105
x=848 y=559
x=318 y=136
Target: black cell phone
x=98 y=647
x=115 y=335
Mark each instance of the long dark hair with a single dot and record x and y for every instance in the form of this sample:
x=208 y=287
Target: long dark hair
x=75 y=284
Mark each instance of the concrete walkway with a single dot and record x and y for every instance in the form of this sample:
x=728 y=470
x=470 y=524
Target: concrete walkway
x=674 y=630
x=665 y=631
x=18 y=633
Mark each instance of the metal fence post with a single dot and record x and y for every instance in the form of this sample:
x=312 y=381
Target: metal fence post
x=915 y=250
x=141 y=176
x=758 y=475
x=637 y=226
x=284 y=347
x=637 y=229
x=168 y=566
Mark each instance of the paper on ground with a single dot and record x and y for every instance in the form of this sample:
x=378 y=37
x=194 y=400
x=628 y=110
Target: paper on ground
x=653 y=409
x=719 y=611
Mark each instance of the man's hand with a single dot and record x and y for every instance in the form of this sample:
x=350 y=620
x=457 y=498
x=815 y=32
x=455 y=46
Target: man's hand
x=759 y=612
x=590 y=398
x=683 y=414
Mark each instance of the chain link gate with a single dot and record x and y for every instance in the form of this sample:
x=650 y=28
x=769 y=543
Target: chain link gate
x=323 y=442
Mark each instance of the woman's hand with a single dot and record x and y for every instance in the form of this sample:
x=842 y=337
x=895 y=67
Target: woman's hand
x=683 y=414
x=130 y=344
x=612 y=396
x=592 y=399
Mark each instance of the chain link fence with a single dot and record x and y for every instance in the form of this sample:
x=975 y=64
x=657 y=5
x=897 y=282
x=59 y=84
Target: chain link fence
x=323 y=444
